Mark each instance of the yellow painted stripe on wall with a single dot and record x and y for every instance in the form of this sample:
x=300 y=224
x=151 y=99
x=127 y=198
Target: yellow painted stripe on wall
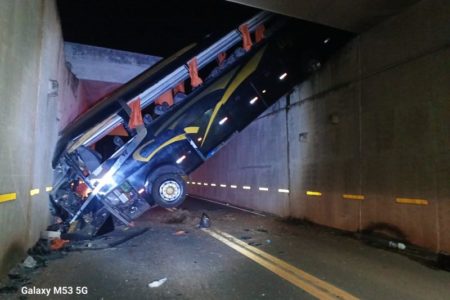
x=48 y=189
x=313 y=193
x=353 y=197
x=8 y=197
x=411 y=201
x=34 y=192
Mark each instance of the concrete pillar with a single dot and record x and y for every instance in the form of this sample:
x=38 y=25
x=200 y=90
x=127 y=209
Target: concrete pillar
x=33 y=80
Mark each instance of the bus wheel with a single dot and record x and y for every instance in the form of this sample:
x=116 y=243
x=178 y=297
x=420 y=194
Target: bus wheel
x=169 y=190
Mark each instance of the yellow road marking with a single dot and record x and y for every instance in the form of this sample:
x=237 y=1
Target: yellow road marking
x=353 y=197
x=312 y=285
x=34 y=192
x=411 y=201
x=8 y=197
x=313 y=193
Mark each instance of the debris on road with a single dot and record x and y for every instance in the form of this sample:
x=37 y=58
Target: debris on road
x=254 y=244
x=205 y=221
x=396 y=245
x=58 y=244
x=29 y=262
x=50 y=235
x=180 y=232
x=157 y=283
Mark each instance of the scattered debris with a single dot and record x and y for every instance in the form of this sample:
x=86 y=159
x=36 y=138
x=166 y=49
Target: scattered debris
x=42 y=247
x=58 y=244
x=157 y=283
x=205 y=221
x=50 y=235
x=180 y=232
x=245 y=237
x=396 y=245
x=106 y=241
x=262 y=230
x=29 y=262
x=255 y=244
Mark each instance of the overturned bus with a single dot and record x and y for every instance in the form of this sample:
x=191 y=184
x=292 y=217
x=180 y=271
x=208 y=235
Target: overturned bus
x=148 y=165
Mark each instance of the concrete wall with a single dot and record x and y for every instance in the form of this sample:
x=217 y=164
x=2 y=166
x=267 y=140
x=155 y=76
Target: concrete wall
x=31 y=57
x=372 y=124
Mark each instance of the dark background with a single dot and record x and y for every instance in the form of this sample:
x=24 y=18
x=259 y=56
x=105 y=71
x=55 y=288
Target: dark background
x=154 y=27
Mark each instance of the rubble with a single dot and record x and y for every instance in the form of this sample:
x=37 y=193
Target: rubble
x=157 y=283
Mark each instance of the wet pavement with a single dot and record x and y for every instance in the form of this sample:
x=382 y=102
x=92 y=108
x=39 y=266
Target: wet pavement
x=242 y=256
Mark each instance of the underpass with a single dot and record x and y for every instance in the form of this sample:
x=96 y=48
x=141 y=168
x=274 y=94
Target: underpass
x=339 y=189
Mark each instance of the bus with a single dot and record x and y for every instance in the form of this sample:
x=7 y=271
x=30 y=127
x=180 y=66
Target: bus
x=149 y=165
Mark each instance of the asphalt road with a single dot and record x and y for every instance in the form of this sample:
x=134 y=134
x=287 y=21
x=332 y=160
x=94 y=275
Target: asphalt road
x=241 y=256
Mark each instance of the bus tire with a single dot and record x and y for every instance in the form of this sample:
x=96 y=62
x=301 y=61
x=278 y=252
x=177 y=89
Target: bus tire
x=169 y=190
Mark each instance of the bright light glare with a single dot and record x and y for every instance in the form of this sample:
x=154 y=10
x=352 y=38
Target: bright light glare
x=253 y=100
x=107 y=179
x=264 y=91
x=325 y=41
x=221 y=122
x=181 y=159
x=282 y=76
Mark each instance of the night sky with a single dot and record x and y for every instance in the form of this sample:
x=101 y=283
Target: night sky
x=154 y=27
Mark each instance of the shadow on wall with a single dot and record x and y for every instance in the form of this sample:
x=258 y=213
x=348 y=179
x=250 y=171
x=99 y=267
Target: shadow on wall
x=385 y=230
x=14 y=253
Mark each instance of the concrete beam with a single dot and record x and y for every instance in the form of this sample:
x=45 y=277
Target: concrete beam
x=351 y=15
x=110 y=65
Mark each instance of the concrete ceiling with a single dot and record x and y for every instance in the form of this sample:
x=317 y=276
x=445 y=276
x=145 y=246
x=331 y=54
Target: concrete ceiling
x=351 y=15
